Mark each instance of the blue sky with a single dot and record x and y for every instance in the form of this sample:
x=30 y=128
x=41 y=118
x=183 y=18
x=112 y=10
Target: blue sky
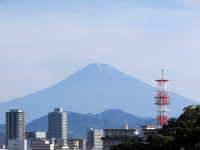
x=45 y=41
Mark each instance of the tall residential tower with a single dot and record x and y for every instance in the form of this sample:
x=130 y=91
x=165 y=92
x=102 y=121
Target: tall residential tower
x=15 y=125
x=15 y=130
x=57 y=126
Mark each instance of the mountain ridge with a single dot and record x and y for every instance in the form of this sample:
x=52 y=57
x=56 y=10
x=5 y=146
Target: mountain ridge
x=78 y=123
x=92 y=89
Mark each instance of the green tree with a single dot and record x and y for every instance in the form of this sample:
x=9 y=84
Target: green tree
x=179 y=134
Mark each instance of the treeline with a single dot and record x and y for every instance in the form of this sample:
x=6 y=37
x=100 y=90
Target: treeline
x=179 y=134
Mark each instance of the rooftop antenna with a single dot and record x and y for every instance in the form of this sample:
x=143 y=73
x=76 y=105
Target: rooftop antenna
x=126 y=125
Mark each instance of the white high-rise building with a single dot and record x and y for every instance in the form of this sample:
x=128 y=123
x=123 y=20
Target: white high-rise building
x=57 y=126
x=94 y=141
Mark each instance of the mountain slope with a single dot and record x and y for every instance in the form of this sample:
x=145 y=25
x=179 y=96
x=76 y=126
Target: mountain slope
x=95 y=88
x=2 y=134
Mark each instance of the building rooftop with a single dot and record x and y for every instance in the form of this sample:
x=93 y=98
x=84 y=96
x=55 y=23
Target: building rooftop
x=57 y=109
x=15 y=110
x=121 y=129
x=148 y=127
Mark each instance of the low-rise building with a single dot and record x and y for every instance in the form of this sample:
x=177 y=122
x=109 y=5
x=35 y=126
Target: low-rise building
x=17 y=144
x=58 y=147
x=81 y=143
x=147 y=131
x=116 y=136
x=73 y=144
x=46 y=144
x=41 y=144
x=2 y=146
x=33 y=135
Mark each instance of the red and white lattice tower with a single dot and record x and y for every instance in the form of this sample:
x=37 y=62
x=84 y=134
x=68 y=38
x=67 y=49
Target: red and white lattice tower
x=162 y=101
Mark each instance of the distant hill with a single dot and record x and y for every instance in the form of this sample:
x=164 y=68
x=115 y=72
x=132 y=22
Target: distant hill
x=93 y=89
x=78 y=124
x=118 y=118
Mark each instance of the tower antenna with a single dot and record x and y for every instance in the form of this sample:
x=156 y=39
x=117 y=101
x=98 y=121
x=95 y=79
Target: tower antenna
x=162 y=101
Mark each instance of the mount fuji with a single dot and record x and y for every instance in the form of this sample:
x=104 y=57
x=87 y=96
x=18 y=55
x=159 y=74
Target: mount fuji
x=95 y=88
